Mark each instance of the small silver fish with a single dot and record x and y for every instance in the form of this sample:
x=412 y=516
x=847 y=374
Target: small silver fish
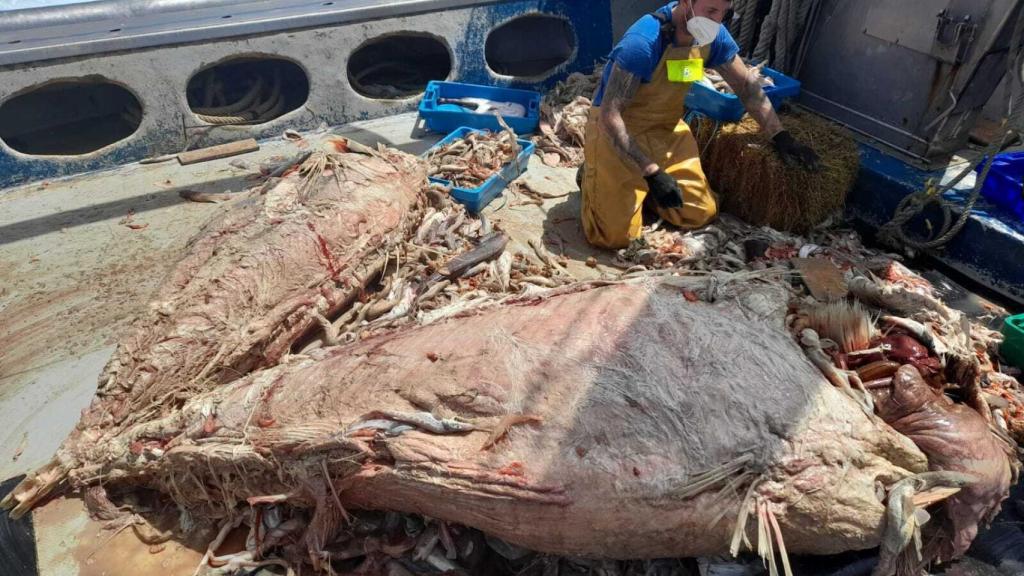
x=423 y=421
x=389 y=427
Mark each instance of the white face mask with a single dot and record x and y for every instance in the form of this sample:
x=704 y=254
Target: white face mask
x=704 y=30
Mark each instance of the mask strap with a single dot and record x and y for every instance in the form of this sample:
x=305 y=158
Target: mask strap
x=668 y=29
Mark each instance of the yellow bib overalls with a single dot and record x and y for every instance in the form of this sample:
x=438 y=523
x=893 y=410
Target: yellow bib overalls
x=614 y=188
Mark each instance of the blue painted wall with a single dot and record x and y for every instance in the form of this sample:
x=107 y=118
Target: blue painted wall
x=591 y=20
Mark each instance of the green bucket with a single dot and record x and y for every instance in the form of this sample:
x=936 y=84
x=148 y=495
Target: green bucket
x=1012 y=349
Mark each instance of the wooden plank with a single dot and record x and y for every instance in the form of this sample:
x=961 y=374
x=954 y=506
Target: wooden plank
x=218 y=152
x=823 y=278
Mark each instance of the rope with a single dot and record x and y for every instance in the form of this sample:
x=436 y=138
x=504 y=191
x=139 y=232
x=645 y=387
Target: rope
x=245 y=102
x=746 y=10
x=914 y=204
x=250 y=109
x=769 y=29
x=245 y=118
x=781 y=33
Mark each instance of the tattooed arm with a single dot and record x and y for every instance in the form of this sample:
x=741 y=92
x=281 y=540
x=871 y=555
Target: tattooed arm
x=748 y=89
x=621 y=88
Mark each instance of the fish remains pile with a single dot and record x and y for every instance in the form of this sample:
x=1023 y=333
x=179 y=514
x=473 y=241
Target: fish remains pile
x=469 y=161
x=563 y=122
x=712 y=79
x=359 y=378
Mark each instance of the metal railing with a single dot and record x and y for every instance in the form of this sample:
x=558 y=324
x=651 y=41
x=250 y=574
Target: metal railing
x=39 y=34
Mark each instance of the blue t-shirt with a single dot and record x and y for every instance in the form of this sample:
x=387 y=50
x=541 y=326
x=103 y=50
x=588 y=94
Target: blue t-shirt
x=640 y=50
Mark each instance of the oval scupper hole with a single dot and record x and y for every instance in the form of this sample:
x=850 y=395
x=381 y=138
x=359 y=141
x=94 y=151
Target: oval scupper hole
x=530 y=46
x=398 y=66
x=247 y=90
x=69 y=117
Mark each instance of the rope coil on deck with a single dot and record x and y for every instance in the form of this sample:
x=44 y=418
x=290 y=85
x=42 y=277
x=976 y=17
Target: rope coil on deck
x=250 y=108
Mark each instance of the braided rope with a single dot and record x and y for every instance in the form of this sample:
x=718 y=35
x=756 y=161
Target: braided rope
x=747 y=11
x=243 y=103
x=914 y=204
x=769 y=29
x=781 y=33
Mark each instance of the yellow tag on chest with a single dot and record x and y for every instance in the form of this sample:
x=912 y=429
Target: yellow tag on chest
x=685 y=71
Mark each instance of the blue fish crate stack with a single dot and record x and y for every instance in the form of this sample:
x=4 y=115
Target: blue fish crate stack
x=441 y=113
x=1004 y=186
x=476 y=199
x=709 y=102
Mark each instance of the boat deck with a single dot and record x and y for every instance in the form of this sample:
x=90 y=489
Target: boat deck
x=82 y=256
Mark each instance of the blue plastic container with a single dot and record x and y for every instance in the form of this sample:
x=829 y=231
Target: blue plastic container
x=476 y=199
x=728 y=107
x=445 y=118
x=1004 y=186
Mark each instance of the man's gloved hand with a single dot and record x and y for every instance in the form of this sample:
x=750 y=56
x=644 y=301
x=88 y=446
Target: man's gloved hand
x=665 y=190
x=795 y=154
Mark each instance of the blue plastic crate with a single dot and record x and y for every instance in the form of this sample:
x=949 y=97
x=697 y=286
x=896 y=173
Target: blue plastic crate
x=1004 y=186
x=445 y=118
x=728 y=107
x=476 y=199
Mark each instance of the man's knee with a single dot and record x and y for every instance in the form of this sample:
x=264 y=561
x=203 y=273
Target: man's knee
x=710 y=208
x=697 y=212
x=607 y=242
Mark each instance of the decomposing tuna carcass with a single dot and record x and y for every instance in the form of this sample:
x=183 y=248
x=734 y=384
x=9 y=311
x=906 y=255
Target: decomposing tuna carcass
x=255 y=280
x=955 y=438
x=902 y=374
x=635 y=424
x=656 y=414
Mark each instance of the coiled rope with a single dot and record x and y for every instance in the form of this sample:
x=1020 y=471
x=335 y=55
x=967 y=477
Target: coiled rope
x=249 y=109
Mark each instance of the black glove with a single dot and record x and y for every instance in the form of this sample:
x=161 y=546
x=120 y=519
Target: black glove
x=665 y=190
x=795 y=154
